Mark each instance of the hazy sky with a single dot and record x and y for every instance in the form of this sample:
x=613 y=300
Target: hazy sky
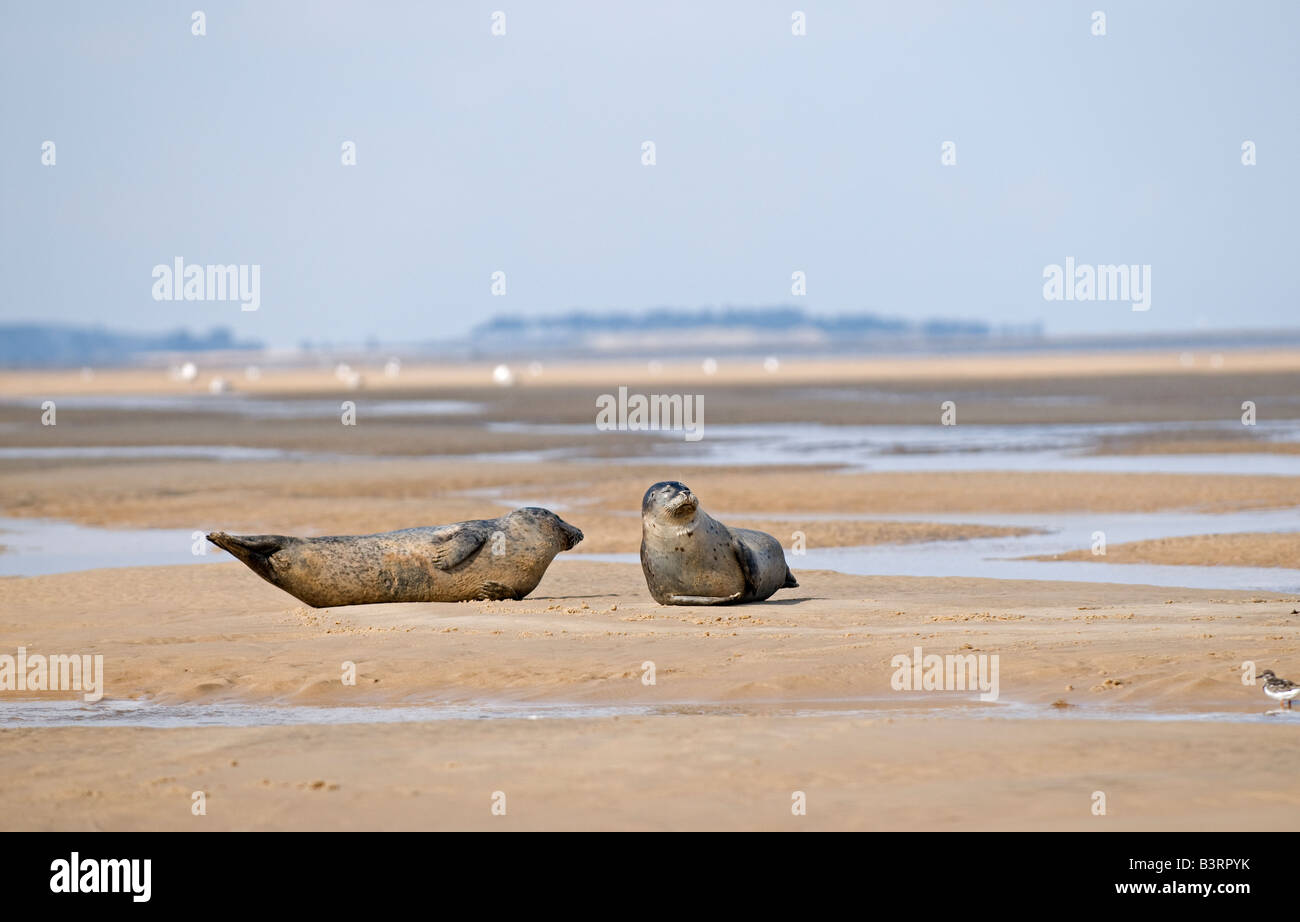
x=522 y=153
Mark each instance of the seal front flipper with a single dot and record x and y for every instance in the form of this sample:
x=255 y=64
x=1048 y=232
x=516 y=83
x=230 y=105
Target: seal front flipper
x=495 y=592
x=452 y=549
x=704 y=599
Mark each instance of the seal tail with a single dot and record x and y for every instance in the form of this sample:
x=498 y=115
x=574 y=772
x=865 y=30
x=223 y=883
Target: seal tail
x=790 y=581
x=254 y=550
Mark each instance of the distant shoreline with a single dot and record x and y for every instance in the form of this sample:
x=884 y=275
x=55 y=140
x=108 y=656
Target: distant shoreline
x=51 y=347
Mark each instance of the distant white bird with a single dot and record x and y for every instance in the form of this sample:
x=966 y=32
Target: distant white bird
x=1279 y=689
x=503 y=376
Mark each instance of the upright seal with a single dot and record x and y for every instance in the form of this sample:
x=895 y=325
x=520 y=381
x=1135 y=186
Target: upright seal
x=690 y=558
x=484 y=559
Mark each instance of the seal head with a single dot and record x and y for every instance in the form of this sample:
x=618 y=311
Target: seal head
x=670 y=500
x=547 y=522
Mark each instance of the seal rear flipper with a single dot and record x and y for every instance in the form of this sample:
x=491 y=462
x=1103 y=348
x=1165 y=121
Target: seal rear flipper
x=253 y=550
x=452 y=549
x=746 y=561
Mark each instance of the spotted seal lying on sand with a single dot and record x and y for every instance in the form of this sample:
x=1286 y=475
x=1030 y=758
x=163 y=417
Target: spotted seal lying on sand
x=690 y=558
x=484 y=559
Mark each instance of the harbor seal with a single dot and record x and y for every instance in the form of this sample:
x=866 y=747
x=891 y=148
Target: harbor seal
x=484 y=559
x=690 y=558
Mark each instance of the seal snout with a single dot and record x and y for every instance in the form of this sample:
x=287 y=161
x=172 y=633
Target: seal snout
x=684 y=501
x=571 y=535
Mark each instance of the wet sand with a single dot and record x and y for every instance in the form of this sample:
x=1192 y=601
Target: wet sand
x=218 y=634
x=1232 y=550
x=687 y=772
x=192 y=633
x=365 y=496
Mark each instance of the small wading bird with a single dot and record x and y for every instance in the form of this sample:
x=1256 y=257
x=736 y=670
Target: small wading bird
x=1280 y=689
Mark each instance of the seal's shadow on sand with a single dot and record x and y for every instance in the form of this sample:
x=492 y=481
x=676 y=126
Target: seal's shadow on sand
x=570 y=598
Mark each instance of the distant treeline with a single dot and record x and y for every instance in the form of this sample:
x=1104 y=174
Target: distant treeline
x=758 y=318
x=32 y=344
